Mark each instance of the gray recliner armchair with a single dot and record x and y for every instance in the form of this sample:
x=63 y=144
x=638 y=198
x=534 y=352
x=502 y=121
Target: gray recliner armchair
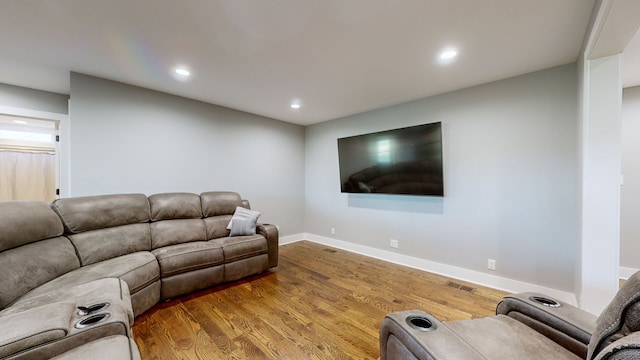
x=526 y=326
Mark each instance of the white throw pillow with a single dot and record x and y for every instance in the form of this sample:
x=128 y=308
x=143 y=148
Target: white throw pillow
x=244 y=214
x=243 y=227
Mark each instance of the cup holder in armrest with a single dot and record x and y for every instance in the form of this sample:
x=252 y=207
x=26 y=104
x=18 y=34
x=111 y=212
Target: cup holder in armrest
x=545 y=301
x=88 y=310
x=420 y=323
x=92 y=320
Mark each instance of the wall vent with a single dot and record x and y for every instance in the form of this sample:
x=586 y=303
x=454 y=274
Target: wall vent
x=459 y=286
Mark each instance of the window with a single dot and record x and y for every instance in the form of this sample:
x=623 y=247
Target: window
x=28 y=163
x=27 y=134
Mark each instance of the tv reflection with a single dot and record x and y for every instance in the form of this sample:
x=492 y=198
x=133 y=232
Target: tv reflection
x=409 y=177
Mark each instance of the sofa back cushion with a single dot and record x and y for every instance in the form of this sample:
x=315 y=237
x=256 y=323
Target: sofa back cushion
x=29 y=266
x=217 y=203
x=31 y=249
x=103 y=244
x=218 y=208
x=216 y=226
x=172 y=232
x=106 y=226
x=87 y=213
x=176 y=219
x=170 y=206
x=24 y=222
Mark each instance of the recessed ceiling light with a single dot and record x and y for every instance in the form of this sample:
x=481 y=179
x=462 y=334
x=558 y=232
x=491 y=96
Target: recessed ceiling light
x=22 y=122
x=448 y=54
x=295 y=106
x=182 y=72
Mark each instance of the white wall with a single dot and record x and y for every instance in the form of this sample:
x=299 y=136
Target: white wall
x=630 y=192
x=24 y=98
x=510 y=163
x=599 y=176
x=126 y=139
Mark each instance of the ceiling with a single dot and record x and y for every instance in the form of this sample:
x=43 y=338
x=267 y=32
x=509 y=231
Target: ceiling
x=335 y=57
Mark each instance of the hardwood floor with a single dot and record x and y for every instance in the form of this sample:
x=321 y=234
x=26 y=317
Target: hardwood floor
x=319 y=303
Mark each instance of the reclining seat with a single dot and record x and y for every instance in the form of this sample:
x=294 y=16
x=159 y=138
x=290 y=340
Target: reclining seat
x=178 y=239
x=526 y=326
x=36 y=324
x=32 y=249
x=243 y=255
x=112 y=238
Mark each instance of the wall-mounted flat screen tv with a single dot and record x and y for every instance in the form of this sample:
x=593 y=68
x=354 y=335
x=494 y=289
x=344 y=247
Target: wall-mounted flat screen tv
x=401 y=161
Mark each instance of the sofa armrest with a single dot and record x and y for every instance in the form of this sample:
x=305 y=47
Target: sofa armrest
x=426 y=338
x=34 y=327
x=111 y=347
x=270 y=232
x=563 y=323
x=52 y=329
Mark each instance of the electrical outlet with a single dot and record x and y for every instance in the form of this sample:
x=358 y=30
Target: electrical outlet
x=491 y=265
x=333 y=231
x=394 y=243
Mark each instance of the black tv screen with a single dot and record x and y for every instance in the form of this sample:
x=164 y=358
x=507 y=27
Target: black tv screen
x=401 y=161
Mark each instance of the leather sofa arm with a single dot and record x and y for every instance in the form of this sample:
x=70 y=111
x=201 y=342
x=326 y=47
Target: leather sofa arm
x=34 y=327
x=55 y=328
x=415 y=334
x=270 y=232
x=563 y=323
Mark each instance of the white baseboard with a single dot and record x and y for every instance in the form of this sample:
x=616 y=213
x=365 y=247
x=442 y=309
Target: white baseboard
x=626 y=272
x=284 y=240
x=492 y=281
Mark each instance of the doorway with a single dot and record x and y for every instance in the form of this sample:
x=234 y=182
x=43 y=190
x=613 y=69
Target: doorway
x=28 y=158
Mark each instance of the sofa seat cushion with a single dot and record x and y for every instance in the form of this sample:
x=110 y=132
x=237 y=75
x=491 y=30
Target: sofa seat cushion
x=110 y=347
x=511 y=339
x=111 y=290
x=139 y=270
x=241 y=247
x=181 y=258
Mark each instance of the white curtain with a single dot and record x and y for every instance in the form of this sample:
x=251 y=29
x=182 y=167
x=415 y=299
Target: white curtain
x=27 y=175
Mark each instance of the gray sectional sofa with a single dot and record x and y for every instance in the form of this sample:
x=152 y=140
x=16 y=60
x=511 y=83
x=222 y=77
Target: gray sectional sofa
x=76 y=272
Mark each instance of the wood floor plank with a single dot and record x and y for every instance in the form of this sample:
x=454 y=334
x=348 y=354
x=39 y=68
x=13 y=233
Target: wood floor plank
x=319 y=303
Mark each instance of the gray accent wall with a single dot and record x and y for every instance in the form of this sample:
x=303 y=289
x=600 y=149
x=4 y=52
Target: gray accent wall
x=630 y=191
x=20 y=97
x=127 y=139
x=510 y=169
